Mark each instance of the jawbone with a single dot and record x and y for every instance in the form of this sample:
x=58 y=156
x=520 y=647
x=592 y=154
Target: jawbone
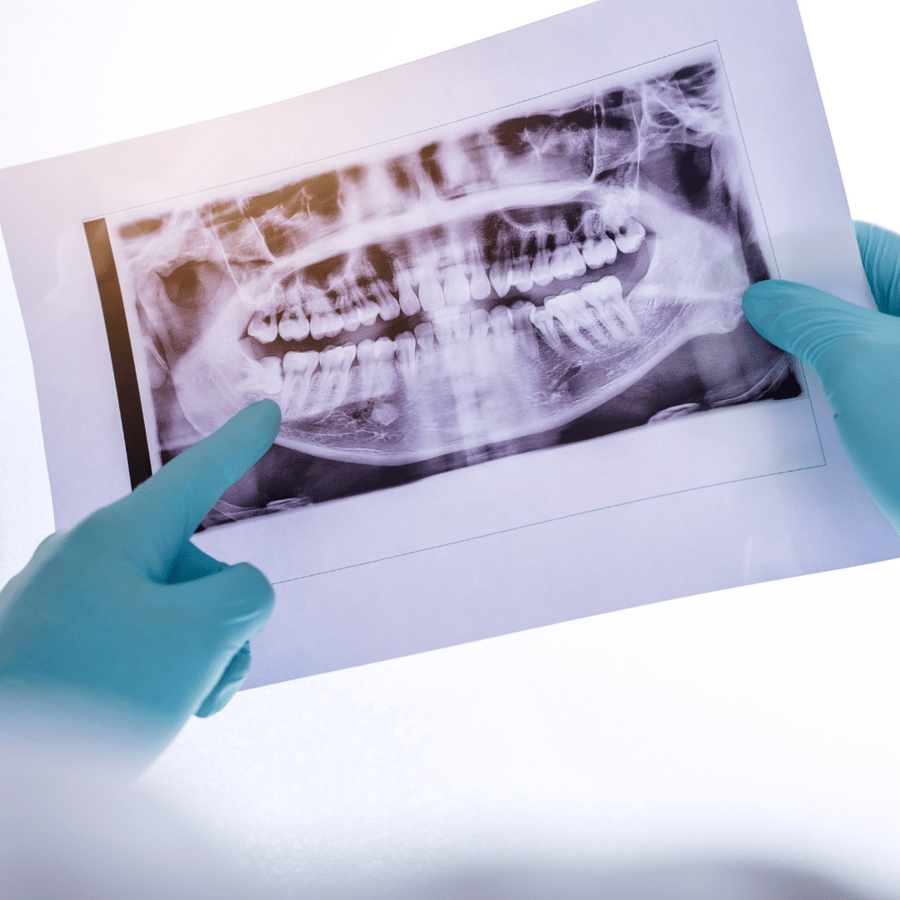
x=484 y=372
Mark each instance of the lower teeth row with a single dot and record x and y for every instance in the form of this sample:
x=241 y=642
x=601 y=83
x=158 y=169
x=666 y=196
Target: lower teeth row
x=314 y=383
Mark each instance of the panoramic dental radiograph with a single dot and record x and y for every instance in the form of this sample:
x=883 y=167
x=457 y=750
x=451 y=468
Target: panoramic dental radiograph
x=550 y=275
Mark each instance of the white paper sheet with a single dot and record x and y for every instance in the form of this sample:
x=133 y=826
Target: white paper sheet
x=723 y=497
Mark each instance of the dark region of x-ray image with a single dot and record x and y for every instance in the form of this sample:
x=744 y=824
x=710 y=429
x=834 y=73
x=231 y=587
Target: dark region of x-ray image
x=546 y=277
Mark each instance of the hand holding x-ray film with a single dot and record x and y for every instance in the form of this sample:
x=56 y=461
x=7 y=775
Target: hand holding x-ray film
x=855 y=353
x=121 y=625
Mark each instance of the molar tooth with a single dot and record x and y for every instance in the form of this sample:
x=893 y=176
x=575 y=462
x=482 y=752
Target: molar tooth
x=368 y=313
x=350 y=319
x=630 y=236
x=328 y=324
x=273 y=376
x=431 y=294
x=293 y=325
x=601 y=252
x=544 y=321
x=264 y=327
x=605 y=297
x=572 y=313
x=567 y=262
x=623 y=311
x=501 y=277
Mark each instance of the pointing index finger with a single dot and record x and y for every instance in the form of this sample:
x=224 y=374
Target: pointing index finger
x=170 y=505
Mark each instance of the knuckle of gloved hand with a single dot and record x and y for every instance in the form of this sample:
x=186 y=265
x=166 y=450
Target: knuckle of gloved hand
x=250 y=589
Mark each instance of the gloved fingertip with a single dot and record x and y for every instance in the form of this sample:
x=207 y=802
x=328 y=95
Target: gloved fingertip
x=266 y=416
x=764 y=300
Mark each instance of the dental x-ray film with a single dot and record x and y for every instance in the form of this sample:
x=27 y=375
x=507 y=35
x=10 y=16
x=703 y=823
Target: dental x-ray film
x=542 y=274
x=497 y=296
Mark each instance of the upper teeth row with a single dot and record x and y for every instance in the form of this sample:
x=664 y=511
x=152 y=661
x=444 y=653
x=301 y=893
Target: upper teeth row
x=424 y=288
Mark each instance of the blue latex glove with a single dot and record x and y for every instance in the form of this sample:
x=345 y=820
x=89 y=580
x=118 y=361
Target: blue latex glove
x=854 y=352
x=121 y=625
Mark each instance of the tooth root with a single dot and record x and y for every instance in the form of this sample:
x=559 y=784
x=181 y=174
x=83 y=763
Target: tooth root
x=590 y=322
x=405 y=346
x=335 y=363
x=478 y=323
x=543 y=320
x=409 y=301
x=431 y=294
x=501 y=330
x=263 y=327
x=385 y=352
x=610 y=323
x=592 y=223
x=501 y=277
x=298 y=372
x=540 y=269
x=605 y=297
x=623 y=310
x=630 y=236
x=602 y=252
x=571 y=312
x=365 y=358
x=293 y=326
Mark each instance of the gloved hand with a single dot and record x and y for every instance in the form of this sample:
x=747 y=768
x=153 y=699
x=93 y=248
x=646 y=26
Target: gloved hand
x=854 y=352
x=121 y=625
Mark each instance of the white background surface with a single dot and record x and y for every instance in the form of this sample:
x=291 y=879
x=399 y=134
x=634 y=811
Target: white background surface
x=759 y=720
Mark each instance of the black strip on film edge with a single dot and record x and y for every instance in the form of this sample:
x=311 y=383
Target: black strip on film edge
x=133 y=430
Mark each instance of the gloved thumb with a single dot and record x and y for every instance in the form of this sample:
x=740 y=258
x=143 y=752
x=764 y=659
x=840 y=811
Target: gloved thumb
x=855 y=353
